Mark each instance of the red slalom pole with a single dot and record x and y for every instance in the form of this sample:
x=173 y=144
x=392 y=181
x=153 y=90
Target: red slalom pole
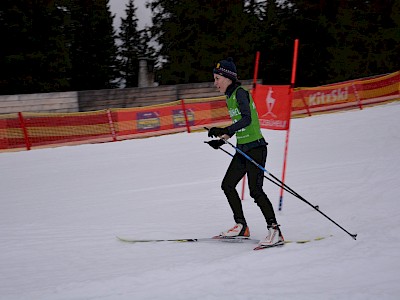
x=256 y=69
x=292 y=81
x=24 y=130
x=294 y=67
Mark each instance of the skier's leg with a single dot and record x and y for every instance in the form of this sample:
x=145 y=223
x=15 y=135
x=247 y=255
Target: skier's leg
x=255 y=181
x=234 y=173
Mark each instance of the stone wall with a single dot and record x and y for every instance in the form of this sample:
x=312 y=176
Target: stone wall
x=137 y=97
x=103 y=99
x=46 y=102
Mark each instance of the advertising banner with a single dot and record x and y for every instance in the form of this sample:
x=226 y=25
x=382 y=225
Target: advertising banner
x=273 y=104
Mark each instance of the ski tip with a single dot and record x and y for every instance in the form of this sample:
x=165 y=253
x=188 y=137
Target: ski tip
x=220 y=237
x=121 y=239
x=319 y=238
x=127 y=240
x=260 y=247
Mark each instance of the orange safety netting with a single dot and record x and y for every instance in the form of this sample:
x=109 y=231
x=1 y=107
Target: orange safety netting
x=32 y=130
x=29 y=130
x=351 y=94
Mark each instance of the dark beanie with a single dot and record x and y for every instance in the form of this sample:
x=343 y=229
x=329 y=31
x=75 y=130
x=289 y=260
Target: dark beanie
x=227 y=69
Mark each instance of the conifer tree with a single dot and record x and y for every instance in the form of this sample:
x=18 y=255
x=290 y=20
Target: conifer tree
x=128 y=49
x=93 y=49
x=34 y=53
x=366 y=39
x=134 y=44
x=195 y=35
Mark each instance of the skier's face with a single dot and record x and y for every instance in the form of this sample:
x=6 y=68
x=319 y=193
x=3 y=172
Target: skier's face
x=221 y=83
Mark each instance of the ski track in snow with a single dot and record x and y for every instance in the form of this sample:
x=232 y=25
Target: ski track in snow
x=62 y=208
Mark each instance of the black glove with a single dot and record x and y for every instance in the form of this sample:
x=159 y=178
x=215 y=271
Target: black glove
x=217 y=132
x=215 y=143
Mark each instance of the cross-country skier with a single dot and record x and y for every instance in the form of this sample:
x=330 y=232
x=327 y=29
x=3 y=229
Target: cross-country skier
x=250 y=140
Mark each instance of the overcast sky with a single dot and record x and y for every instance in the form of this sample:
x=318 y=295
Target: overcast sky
x=118 y=8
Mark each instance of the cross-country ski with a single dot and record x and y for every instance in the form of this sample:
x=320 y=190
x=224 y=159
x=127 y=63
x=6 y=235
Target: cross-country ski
x=211 y=240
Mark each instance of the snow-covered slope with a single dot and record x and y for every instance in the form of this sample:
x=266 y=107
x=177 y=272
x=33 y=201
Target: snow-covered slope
x=61 y=208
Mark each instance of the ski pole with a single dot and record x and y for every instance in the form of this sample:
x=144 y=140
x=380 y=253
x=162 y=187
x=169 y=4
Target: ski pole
x=354 y=236
x=274 y=182
x=279 y=183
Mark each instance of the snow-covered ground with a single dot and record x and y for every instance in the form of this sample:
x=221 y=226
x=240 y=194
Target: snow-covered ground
x=62 y=208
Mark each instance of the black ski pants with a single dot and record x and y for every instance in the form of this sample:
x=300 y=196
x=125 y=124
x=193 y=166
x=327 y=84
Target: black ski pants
x=238 y=167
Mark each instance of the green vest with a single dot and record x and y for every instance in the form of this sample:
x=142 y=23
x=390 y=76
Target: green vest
x=250 y=133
